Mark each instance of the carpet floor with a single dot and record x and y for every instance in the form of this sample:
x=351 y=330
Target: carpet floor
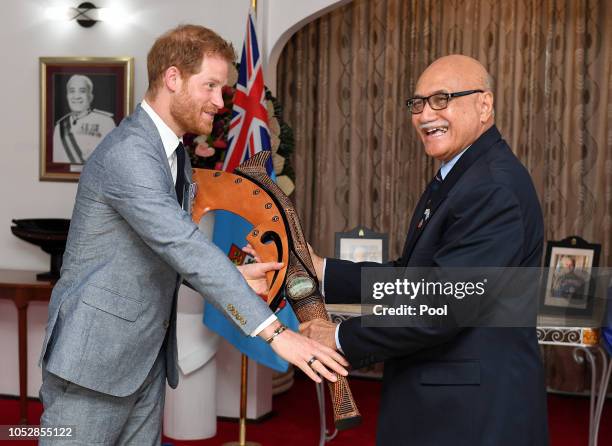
x=295 y=420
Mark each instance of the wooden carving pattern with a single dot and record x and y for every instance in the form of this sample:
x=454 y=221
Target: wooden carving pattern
x=251 y=194
x=255 y=170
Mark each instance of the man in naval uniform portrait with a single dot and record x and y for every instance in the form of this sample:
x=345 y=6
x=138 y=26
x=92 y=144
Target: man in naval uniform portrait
x=567 y=283
x=78 y=133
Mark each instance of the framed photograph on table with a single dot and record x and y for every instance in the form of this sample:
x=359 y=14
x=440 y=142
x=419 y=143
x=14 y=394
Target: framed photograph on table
x=362 y=245
x=81 y=100
x=359 y=245
x=569 y=283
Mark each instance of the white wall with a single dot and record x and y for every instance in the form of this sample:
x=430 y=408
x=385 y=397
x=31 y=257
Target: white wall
x=25 y=35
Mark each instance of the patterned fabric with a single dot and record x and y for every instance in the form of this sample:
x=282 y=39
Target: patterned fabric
x=359 y=162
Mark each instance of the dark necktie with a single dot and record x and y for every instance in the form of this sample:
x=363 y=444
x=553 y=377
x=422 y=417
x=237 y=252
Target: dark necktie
x=423 y=211
x=432 y=188
x=180 y=172
x=437 y=181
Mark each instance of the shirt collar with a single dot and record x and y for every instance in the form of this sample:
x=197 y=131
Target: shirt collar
x=168 y=137
x=446 y=167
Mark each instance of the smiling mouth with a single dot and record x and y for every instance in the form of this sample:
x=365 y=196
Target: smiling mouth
x=435 y=131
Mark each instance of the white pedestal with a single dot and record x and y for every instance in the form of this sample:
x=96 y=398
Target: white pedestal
x=209 y=383
x=189 y=412
x=259 y=395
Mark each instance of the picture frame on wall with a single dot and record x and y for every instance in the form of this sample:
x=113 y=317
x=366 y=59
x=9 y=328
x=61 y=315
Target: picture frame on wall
x=362 y=245
x=569 y=280
x=81 y=100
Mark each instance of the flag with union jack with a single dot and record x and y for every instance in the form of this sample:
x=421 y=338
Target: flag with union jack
x=248 y=134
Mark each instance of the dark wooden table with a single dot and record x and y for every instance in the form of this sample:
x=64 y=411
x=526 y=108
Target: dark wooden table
x=22 y=288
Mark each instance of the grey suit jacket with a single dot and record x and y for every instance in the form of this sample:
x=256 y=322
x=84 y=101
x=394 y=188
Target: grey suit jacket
x=115 y=302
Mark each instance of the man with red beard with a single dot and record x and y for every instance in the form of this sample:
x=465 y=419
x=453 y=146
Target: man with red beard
x=111 y=338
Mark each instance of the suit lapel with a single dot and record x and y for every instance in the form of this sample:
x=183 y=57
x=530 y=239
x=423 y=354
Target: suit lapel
x=414 y=221
x=150 y=130
x=431 y=202
x=145 y=121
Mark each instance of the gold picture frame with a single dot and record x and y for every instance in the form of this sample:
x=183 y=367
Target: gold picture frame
x=81 y=100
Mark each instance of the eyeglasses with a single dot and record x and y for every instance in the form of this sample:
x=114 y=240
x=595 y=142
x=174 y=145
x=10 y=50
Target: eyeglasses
x=438 y=101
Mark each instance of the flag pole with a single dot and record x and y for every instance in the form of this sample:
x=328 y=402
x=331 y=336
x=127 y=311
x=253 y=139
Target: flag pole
x=244 y=374
x=244 y=371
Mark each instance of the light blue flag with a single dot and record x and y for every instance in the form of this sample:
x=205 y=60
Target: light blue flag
x=232 y=229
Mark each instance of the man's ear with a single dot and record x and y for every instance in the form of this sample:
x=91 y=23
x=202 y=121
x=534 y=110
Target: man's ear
x=486 y=106
x=173 y=79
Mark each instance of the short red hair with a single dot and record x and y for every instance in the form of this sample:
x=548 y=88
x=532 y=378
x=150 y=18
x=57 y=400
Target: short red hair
x=184 y=47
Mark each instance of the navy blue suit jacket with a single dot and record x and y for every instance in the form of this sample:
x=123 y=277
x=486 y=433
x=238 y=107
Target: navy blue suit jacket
x=459 y=386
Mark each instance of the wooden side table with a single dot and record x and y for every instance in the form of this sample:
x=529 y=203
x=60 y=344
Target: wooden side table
x=22 y=288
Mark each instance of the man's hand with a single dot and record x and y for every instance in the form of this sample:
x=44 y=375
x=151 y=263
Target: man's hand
x=322 y=331
x=317 y=261
x=255 y=275
x=298 y=350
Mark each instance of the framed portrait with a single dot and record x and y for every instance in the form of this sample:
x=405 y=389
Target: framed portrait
x=81 y=100
x=361 y=245
x=569 y=283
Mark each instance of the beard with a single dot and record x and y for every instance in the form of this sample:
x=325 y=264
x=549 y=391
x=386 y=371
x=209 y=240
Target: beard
x=188 y=114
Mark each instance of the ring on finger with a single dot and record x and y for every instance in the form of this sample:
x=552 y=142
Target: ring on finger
x=311 y=360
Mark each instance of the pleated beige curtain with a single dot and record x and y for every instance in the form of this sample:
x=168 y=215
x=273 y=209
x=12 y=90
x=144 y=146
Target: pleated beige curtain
x=344 y=78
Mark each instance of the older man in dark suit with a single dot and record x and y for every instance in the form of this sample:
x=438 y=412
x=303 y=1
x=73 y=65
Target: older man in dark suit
x=455 y=385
